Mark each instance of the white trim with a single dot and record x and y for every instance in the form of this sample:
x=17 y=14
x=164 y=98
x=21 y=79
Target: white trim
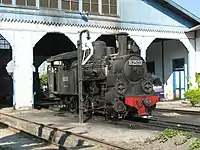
x=193 y=29
x=60 y=4
x=118 y=8
x=14 y=2
x=80 y=5
x=100 y=6
x=37 y=3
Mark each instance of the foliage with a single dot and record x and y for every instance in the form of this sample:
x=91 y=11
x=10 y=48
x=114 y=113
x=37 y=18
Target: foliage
x=5 y=148
x=169 y=133
x=43 y=79
x=194 y=93
x=195 y=145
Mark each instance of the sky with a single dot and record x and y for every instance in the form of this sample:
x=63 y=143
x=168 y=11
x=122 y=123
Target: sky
x=190 y=5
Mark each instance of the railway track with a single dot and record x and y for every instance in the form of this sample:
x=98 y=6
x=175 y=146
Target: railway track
x=186 y=112
x=174 y=125
x=161 y=123
x=55 y=136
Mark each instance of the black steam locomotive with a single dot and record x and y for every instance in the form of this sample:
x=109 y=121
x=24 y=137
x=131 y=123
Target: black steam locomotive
x=115 y=80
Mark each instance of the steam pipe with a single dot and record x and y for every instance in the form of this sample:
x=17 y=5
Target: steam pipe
x=80 y=73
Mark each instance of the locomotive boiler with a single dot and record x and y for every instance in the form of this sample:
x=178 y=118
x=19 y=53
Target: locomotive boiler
x=115 y=80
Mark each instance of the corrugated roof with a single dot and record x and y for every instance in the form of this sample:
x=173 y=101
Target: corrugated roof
x=180 y=10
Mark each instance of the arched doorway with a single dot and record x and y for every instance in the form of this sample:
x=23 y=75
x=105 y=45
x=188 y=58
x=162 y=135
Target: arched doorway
x=52 y=43
x=6 y=73
x=168 y=59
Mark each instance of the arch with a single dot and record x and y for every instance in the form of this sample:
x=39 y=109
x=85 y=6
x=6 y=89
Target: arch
x=9 y=36
x=163 y=55
x=6 y=70
x=52 y=43
x=142 y=41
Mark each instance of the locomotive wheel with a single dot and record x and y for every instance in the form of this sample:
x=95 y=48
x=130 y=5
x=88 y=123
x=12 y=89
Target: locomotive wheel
x=121 y=88
x=72 y=105
x=65 y=103
x=152 y=108
x=147 y=87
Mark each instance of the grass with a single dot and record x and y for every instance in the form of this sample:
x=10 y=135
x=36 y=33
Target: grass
x=170 y=133
x=195 y=145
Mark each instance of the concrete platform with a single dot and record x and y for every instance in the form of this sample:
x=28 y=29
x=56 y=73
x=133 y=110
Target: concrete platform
x=123 y=136
x=18 y=141
x=179 y=105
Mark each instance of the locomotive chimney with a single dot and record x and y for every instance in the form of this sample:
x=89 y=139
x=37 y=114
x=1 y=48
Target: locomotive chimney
x=122 y=41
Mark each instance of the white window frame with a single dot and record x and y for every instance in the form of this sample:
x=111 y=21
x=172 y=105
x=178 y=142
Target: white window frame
x=14 y=2
x=48 y=7
x=1 y=2
x=117 y=4
x=70 y=5
x=90 y=2
x=100 y=7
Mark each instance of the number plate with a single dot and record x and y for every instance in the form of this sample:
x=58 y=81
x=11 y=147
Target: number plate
x=135 y=62
x=65 y=79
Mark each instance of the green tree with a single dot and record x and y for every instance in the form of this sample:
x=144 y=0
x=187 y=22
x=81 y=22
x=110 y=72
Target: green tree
x=43 y=79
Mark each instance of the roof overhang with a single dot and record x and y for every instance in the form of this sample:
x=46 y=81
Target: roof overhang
x=196 y=28
x=180 y=11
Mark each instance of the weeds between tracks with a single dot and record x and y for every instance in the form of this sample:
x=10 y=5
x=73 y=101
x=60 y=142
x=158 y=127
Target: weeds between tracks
x=170 y=133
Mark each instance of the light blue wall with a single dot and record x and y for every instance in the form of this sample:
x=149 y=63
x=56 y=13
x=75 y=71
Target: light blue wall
x=132 y=13
x=148 y=12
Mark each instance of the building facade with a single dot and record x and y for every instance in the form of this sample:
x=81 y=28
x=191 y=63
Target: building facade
x=37 y=29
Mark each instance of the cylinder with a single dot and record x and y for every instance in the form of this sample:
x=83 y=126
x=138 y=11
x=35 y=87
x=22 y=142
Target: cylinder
x=99 y=49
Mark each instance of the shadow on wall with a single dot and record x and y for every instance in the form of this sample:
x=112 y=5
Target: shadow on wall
x=170 y=59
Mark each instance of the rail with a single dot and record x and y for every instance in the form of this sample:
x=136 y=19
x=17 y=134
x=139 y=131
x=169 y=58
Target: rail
x=187 y=112
x=33 y=128
x=157 y=123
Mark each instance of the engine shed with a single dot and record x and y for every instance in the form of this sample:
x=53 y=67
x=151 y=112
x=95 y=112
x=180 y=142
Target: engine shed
x=37 y=30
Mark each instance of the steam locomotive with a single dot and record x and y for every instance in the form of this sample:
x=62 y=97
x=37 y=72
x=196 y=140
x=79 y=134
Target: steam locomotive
x=115 y=80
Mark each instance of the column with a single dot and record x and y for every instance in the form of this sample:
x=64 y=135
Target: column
x=80 y=5
x=13 y=2
x=143 y=53
x=191 y=60
x=37 y=4
x=23 y=73
x=100 y=6
x=60 y=4
x=197 y=61
x=191 y=66
x=143 y=43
